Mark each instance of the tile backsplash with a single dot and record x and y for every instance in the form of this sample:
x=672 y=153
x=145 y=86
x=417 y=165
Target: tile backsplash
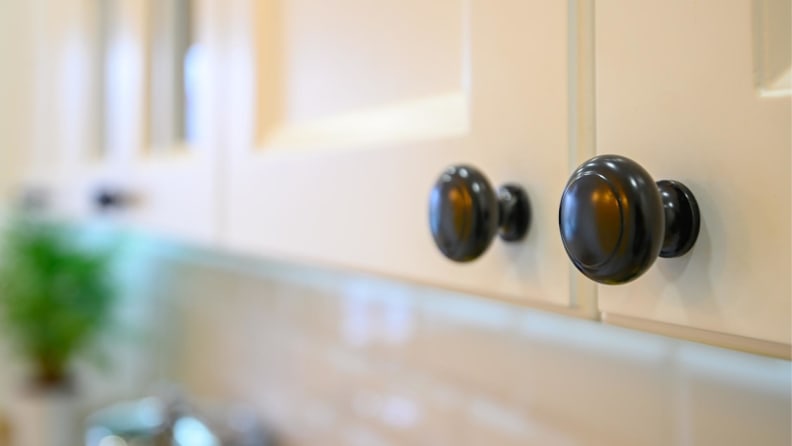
x=339 y=358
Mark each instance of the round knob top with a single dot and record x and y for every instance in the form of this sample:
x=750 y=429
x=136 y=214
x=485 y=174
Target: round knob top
x=463 y=213
x=594 y=244
x=611 y=219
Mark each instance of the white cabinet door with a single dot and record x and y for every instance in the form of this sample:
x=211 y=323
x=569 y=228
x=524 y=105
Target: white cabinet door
x=16 y=91
x=683 y=88
x=111 y=78
x=346 y=112
x=170 y=154
x=67 y=157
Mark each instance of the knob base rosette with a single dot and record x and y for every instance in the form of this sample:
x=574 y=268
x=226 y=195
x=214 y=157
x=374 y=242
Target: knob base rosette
x=515 y=212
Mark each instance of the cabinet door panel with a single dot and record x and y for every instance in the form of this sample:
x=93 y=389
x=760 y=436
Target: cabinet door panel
x=676 y=92
x=64 y=160
x=170 y=160
x=360 y=107
x=96 y=111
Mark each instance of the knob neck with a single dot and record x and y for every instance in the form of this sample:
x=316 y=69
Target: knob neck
x=682 y=218
x=515 y=212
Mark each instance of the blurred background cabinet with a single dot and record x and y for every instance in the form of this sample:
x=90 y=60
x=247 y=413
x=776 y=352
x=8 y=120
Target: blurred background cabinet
x=173 y=166
x=122 y=114
x=16 y=88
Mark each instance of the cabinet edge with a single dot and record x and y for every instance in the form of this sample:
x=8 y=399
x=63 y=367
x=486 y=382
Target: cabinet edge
x=714 y=338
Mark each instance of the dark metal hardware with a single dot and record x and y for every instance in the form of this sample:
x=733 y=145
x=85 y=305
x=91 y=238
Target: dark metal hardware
x=615 y=220
x=465 y=213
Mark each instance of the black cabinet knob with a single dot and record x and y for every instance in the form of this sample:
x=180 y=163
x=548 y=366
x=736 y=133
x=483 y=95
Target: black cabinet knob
x=106 y=199
x=615 y=220
x=465 y=213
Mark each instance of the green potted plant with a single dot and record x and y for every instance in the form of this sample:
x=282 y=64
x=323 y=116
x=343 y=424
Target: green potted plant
x=56 y=297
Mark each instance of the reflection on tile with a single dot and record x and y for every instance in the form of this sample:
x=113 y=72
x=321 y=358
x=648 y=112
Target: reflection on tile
x=366 y=322
x=343 y=359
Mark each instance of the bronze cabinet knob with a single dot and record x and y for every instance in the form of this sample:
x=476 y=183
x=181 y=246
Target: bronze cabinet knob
x=615 y=220
x=465 y=213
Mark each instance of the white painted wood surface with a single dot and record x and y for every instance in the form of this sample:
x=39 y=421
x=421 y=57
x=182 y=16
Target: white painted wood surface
x=16 y=89
x=347 y=111
x=676 y=92
x=93 y=124
x=175 y=185
x=323 y=126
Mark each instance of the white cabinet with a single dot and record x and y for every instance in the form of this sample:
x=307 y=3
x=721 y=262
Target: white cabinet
x=62 y=153
x=352 y=109
x=319 y=129
x=677 y=91
x=113 y=112
x=16 y=89
x=171 y=159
